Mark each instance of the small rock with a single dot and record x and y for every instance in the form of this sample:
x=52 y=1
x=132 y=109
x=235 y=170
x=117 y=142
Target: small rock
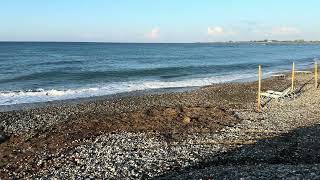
x=186 y=120
x=3 y=137
x=40 y=163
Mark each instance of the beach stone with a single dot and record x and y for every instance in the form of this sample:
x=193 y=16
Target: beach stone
x=186 y=120
x=3 y=137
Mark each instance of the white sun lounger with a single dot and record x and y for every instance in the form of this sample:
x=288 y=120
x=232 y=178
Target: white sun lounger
x=276 y=94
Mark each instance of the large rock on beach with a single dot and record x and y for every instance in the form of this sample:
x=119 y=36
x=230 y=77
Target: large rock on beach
x=3 y=136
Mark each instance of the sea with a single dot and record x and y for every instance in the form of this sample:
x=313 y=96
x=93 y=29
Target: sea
x=33 y=72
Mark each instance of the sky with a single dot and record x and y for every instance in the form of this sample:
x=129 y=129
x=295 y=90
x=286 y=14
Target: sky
x=158 y=21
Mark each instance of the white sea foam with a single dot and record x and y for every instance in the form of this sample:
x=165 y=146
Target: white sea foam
x=41 y=95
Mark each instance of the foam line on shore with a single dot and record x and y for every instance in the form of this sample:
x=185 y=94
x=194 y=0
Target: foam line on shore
x=42 y=95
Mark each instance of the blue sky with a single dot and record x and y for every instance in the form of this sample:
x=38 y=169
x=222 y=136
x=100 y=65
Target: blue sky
x=158 y=21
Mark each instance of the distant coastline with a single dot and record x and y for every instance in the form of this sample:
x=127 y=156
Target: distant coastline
x=266 y=41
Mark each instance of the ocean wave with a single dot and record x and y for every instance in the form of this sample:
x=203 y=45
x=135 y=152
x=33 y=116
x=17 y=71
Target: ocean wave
x=111 y=75
x=42 y=95
x=170 y=72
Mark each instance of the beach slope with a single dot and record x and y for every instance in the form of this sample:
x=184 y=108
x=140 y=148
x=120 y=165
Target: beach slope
x=213 y=131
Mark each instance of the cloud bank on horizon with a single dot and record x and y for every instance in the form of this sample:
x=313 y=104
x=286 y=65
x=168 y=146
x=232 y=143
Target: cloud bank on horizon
x=153 y=34
x=177 y=21
x=280 y=32
x=219 y=31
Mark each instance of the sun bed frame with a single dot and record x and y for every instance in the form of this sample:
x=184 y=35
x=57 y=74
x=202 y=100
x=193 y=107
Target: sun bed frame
x=278 y=95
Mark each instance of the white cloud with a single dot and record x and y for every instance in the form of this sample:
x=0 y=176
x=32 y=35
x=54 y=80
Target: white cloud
x=215 y=30
x=274 y=32
x=153 y=34
x=284 y=30
x=219 y=31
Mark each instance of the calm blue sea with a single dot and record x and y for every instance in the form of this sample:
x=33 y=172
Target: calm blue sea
x=40 y=72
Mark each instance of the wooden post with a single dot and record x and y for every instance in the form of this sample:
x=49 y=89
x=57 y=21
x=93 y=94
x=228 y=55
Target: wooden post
x=292 y=78
x=259 y=89
x=316 y=74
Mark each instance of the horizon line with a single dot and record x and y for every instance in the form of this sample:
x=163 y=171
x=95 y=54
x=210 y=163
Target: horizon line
x=114 y=42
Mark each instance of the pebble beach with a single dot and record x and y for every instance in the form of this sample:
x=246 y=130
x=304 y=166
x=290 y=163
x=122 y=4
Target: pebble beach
x=213 y=132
